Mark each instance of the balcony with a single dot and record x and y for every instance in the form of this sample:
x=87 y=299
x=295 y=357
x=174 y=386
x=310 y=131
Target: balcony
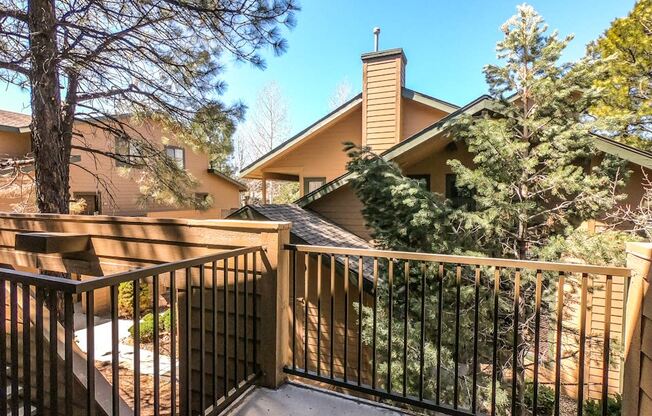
x=126 y=316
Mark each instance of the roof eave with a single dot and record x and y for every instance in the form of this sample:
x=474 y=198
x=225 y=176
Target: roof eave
x=241 y=186
x=406 y=145
x=297 y=138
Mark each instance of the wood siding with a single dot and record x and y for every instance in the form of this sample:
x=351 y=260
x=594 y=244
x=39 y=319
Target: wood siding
x=125 y=198
x=637 y=393
x=382 y=81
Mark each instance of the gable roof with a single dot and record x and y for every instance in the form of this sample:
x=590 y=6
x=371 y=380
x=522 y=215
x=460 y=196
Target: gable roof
x=626 y=152
x=337 y=113
x=307 y=225
x=316 y=230
x=14 y=122
x=400 y=148
x=241 y=186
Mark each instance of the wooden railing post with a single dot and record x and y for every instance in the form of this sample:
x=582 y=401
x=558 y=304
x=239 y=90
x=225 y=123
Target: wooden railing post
x=637 y=383
x=274 y=308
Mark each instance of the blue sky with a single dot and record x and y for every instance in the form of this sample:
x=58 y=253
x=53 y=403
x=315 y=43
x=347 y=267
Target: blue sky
x=446 y=42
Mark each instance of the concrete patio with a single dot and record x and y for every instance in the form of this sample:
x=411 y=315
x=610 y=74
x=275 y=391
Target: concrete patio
x=300 y=400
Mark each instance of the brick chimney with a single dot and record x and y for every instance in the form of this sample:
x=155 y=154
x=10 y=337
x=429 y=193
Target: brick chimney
x=383 y=77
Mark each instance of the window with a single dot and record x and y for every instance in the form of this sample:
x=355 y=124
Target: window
x=177 y=154
x=201 y=196
x=126 y=152
x=311 y=184
x=92 y=205
x=425 y=180
x=459 y=196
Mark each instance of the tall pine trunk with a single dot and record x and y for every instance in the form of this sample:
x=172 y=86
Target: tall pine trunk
x=51 y=134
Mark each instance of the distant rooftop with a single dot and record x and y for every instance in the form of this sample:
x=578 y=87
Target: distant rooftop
x=17 y=122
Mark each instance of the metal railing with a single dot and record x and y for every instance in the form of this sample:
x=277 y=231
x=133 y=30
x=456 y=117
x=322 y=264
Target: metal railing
x=454 y=334
x=211 y=354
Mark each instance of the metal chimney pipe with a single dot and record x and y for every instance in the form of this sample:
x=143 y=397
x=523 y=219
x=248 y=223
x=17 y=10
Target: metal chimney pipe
x=376 y=35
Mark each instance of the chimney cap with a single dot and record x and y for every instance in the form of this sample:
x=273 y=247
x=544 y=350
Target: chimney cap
x=382 y=54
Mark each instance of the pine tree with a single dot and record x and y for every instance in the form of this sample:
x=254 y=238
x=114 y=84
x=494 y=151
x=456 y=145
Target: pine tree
x=624 y=54
x=533 y=175
x=533 y=184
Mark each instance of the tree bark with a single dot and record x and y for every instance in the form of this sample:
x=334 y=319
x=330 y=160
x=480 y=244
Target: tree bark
x=51 y=137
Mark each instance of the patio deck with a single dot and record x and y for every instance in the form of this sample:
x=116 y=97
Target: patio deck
x=299 y=400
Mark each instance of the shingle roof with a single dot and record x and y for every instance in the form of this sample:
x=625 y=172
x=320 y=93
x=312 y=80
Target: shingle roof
x=310 y=226
x=315 y=230
x=14 y=121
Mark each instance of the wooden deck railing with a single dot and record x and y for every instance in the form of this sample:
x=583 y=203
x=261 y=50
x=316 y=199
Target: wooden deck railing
x=212 y=352
x=455 y=334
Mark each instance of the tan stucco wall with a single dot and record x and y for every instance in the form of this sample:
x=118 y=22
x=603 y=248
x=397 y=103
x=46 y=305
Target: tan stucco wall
x=125 y=190
x=322 y=155
x=343 y=207
x=418 y=116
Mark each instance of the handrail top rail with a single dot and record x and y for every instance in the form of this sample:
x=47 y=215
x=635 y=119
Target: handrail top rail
x=464 y=260
x=77 y=287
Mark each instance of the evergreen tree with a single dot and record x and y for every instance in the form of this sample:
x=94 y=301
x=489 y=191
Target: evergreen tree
x=532 y=176
x=532 y=182
x=624 y=54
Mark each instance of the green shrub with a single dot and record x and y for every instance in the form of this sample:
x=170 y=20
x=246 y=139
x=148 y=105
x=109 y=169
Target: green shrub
x=147 y=326
x=126 y=299
x=545 y=399
x=594 y=407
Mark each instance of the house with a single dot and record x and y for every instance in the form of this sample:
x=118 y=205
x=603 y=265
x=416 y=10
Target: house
x=402 y=125
x=89 y=172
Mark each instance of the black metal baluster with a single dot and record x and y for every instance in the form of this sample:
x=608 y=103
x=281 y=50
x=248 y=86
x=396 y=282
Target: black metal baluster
x=157 y=346
x=346 y=317
x=360 y=300
x=456 y=353
x=606 y=346
x=13 y=294
x=294 y=309
x=254 y=306
x=188 y=347
x=40 y=342
x=27 y=370
x=245 y=316
x=494 y=358
x=537 y=341
x=173 y=343
x=69 y=330
x=515 y=366
x=375 y=327
x=319 y=266
x=90 y=354
x=406 y=313
x=560 y=310
x=422 y=338
x=390 y=282
x=54 y=356
x=214 y=332
x=136 y=306
x=226 y=327
x=332 y=324
x=476 y=324
x=582 y=353
x=306 y=273
x=115 y=352
x=440 y=311
x=235 y=322
x=3 y=345
x=202 y=339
